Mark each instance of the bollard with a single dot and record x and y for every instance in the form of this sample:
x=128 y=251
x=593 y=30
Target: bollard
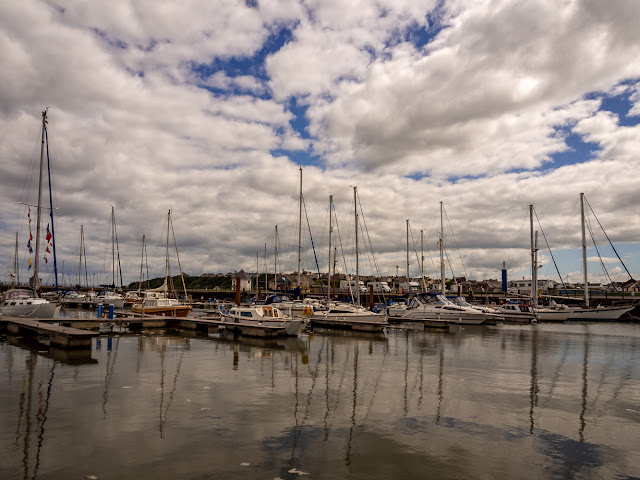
x=99 y=311
x=110 y=312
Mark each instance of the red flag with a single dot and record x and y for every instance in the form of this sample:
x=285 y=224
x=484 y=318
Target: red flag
x=48 y=251
x=45 y=260
x=30 y=236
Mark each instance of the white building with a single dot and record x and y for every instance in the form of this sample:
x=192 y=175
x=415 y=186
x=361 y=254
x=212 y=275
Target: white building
x=245 y=280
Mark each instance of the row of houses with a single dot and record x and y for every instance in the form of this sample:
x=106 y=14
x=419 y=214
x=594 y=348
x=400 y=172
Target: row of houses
x=310 y=282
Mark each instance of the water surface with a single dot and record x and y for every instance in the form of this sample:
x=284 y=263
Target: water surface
x=502 y=402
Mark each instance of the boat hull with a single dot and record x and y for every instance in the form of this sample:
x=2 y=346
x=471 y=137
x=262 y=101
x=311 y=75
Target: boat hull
x=460 y=318
x=116 y=302
x=169 y=311
x=603 y=314
x=40 y=310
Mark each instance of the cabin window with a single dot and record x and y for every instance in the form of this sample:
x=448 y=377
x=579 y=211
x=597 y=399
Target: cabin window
x=245 y=314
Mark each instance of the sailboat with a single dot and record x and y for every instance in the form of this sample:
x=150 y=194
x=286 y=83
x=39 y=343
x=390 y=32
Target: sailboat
x=157 y=301
x=23 y=302
x=436 y=307
x=109 y=295
x=345 y=314
x=598 y=313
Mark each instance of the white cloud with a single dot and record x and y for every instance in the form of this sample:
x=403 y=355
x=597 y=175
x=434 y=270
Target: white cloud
x=132 y=127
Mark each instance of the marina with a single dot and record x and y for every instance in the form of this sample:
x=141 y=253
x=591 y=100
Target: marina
x=282 y=293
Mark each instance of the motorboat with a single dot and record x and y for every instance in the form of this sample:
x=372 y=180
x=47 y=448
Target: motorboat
x=396 y=309
x=436 y=307
x=295 y=308
x=517 y=312
x=342 y=314
x=109 y=297
x=22 y=302
x=266 y=315
x=157 y=303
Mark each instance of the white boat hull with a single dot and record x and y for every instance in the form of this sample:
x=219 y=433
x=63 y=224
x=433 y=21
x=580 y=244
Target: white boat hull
x=605 y=314
x=457 y=318
x=40 y=310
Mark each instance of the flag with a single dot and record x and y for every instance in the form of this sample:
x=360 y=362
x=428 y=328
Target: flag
x=49 y=236
x=29 y=264
x=45 y=260
x=48 y=251
x=30 y=235
x=29 y=215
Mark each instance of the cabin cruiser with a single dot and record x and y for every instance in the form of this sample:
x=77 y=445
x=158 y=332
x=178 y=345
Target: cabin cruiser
x=295 y=308
x=396 y=309
x=265 y=315
x=109 y=297
x=347 y=312
x=517 y=312
x=22 y=302
x=436 y=307
x=157 y=303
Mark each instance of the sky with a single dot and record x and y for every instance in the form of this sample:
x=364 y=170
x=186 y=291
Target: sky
x=210 y=108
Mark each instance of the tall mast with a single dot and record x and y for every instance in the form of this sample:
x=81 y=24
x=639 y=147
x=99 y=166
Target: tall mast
x=441 y=250
x=300 y=230
x=408 y=256
x=266 y=278
x=275 y=263
x=330 y=230
x=257 y=273
x=534 y=269
x=141 y=264
x=36 y=265
x=424 y=287
x=80 y=263
x=184 y=287
x=584 y=253
x=166 y=256
x=16 y=275
x=113 y=246
x=355 y=209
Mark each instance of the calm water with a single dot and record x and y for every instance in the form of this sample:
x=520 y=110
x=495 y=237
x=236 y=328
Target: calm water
x=549 y=401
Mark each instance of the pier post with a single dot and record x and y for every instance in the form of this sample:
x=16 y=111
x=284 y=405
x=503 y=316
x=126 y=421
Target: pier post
x=238 y=291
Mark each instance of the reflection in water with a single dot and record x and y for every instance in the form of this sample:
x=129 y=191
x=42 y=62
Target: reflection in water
x=43 y=419
x=440 y=384
x=31 y=366
x=509 y=401
x=406 y=373
x=533 y=390
x=584 y=387
x=556 y=373
x=108 y=375
x=355 y=403
x=164 y=409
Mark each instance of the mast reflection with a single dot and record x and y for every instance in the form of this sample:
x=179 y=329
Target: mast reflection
x=533 y=390
x=584 y=386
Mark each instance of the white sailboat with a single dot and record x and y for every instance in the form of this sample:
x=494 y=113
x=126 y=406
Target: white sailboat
x=109 y=294
x=158 y=301
x=435 y=307
x=589 y=313
x=337 y=314
x=22 y=302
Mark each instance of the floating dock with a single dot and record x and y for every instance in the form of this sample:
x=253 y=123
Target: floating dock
x=57 y=335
